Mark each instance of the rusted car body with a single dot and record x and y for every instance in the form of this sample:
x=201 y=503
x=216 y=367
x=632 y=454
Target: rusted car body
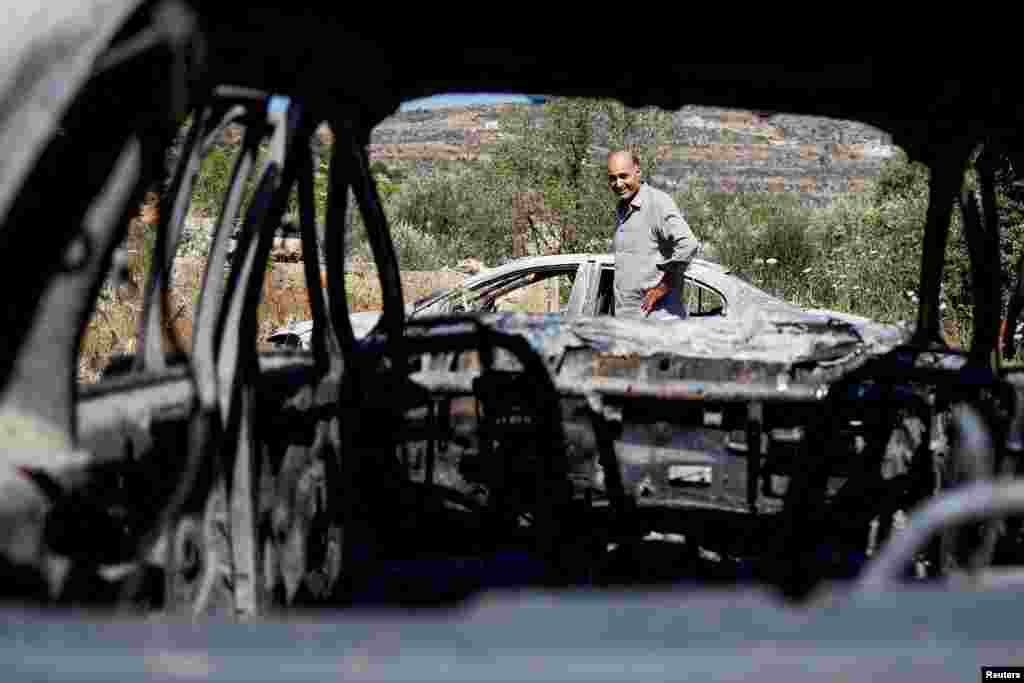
x=443 y=455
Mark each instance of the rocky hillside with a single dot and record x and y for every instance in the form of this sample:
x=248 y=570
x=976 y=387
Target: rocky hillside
x=731 y=150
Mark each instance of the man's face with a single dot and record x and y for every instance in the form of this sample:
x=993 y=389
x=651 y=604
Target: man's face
x=623 y=176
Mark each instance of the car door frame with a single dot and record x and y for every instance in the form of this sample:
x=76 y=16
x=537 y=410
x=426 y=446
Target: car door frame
x=481 y=289
x=594 y=284
x=580 y=296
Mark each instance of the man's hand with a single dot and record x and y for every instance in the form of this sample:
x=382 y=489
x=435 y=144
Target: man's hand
x=653 y=295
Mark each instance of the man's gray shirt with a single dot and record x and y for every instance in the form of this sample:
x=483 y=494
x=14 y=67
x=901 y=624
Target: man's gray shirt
x=651 y=238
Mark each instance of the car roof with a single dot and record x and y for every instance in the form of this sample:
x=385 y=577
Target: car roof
x=735 y=290
x=557 y=260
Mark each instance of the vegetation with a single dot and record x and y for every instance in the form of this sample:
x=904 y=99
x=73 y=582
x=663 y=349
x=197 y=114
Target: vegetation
x=861 y=254
x=541 y=189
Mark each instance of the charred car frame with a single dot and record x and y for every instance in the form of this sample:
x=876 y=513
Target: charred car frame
x=440 y=456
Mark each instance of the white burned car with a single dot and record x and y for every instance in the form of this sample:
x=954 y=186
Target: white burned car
x=572 y=286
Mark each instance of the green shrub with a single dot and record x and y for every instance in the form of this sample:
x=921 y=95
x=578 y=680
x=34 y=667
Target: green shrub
x=416 y=249
x=467 y=212
x=861 y=254
x=213 y=180
x=763 y=236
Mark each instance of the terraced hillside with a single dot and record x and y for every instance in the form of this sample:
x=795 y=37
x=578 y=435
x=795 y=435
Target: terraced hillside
x=730 y=150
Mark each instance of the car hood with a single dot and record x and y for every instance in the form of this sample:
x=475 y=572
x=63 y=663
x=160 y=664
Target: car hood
x=780 y=336
x=777 y=333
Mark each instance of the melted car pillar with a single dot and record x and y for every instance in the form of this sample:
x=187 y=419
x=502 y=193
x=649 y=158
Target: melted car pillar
x=384 y=255
x=173 y=210
x=981 y=222
x=343 y=361
x=37 y=413
x=299 y=529
x=107 y=147
x=325 y=339
x=237 y=365
x=223 y=429
x=1008 y=343
x=212 y=434
x=197 y=545
x=947 y=171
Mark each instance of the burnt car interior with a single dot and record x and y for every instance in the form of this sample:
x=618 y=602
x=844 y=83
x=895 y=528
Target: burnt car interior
x=390 y=472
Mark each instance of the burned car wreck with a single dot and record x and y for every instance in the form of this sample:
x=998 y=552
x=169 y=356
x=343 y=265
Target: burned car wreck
x=445 y=455
x=711 y=291
x=688 y=389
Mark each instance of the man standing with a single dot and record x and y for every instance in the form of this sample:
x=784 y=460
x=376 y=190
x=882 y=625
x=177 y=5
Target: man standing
x=653 y=244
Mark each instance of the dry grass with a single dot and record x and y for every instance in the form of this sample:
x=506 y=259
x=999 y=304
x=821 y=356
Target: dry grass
x=112 y=328
x=110 y=332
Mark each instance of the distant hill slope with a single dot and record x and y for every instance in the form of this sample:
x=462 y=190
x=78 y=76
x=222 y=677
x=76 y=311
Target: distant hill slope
x=731 y=150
